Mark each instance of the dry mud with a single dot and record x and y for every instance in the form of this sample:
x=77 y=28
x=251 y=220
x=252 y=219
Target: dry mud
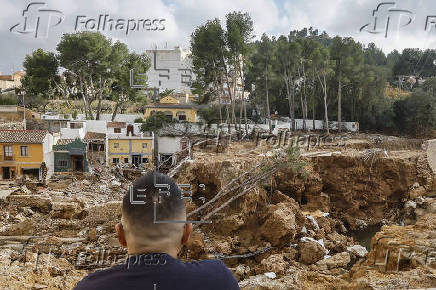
x=291 y=231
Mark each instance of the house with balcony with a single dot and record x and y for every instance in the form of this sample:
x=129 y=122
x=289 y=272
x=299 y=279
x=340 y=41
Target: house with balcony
x=25 y=153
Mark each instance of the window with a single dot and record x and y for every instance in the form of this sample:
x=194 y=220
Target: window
x=24 y=150
x=116 y=160
x=117 y=130
x=62 y=163
x=126 y=160
x=144 y=160
x=7 y=150
x=116 y=145
x=76 y=125
x=144 y=145
x=182 y=117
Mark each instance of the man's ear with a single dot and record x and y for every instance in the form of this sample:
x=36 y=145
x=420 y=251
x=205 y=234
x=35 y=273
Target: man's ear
x=187 y=230
x=121 y=235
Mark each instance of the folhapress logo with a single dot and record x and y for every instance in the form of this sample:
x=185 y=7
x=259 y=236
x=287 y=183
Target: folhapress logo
x=38 y=19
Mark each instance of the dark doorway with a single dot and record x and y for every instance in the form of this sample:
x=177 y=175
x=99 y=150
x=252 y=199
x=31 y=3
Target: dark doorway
x=6 y=173
x=77 y=162
x=136 y=159
x=130 y=130
x=32 y=173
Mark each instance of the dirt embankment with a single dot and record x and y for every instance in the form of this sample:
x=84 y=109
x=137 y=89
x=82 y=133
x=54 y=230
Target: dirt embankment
x=306 y=222
x=289 y=232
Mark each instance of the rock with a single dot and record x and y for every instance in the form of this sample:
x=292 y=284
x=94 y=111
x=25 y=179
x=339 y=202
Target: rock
x=402 y=248
x=262 y=282
x=358 y=251
x=281 y=223
x=92 y=234
x=340 y=260
x=64 y=210
x=36 y=203
x=274 y=263
x=270 y=275
x=310 y=252
x=417 y=191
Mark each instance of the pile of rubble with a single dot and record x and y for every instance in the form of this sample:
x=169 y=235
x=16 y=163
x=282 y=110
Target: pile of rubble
x=289 y=231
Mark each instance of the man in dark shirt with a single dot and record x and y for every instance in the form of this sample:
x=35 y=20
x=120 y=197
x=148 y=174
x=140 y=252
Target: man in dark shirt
x=153 y=245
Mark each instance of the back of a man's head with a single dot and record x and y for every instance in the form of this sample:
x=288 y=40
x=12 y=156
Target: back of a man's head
x=154 y=198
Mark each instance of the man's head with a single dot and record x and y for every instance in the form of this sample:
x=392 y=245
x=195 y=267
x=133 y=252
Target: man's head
x=138 y=230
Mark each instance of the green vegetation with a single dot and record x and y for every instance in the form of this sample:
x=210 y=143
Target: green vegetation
x=155 y=122
x=8 y=99
x=95 y=69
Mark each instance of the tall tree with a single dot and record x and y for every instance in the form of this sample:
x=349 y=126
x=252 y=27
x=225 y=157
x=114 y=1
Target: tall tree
x=207 y=49
x=288 y=55
x=239 y=34
x=322 y=67
x=41 y=73
x=348 y=56
x=96 y=64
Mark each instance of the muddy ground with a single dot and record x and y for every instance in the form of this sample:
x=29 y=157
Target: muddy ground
x=360 y=216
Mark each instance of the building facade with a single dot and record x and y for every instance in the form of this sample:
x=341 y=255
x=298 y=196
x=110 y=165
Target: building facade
x=10 y=82
x=172 y=108
x=70 y=156
x=136 y=150
x=26 y=153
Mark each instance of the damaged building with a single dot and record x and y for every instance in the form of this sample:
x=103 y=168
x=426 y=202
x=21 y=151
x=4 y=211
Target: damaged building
x=25 y=153
x=70 y=156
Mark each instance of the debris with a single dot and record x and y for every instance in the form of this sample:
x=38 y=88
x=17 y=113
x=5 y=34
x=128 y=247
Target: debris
x=270 y=275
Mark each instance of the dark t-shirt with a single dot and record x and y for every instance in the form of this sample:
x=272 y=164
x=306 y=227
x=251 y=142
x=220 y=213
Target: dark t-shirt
x=162 y=272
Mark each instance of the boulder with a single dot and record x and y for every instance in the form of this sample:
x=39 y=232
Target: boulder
x=36 y=203
x=310 y=252
x=274 y=263
x=357 y=251
x=281 y=223
x=340 y=260
x=64 y=210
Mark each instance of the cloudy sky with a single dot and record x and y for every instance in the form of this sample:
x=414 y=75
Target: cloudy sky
x=407 y=22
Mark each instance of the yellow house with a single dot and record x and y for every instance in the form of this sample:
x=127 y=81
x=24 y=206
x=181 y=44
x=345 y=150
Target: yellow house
x=136 y=150
x=23 y=152
x=172 y=108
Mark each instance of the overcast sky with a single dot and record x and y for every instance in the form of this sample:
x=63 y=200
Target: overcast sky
x=275 y=17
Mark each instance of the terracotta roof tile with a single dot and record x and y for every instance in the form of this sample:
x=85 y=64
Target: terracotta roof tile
x=94 y=136
x=64 y=141
x=116 y=124
x=22 y=136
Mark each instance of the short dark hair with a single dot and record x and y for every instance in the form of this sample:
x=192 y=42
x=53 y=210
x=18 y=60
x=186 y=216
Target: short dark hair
x=169 y=202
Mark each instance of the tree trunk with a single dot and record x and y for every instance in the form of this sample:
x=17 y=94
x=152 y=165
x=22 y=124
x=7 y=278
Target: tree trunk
x=245 y=117
x=97 y=117
x=114 y=114
x=293 y=107
x=339 y=103
x=313 y=115
x=267 y=100
x=325 y=107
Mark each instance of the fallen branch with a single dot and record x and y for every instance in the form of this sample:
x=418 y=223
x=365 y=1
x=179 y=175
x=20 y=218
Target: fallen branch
x=248 y=255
